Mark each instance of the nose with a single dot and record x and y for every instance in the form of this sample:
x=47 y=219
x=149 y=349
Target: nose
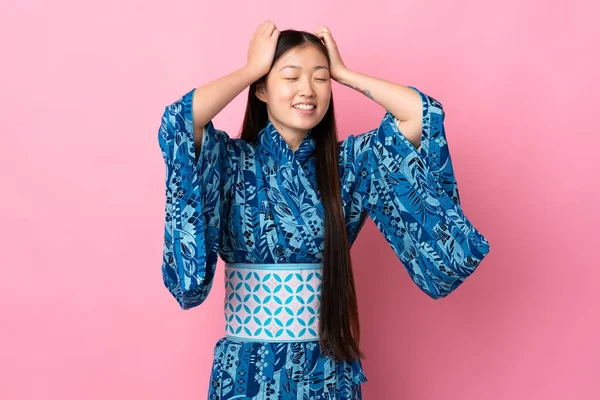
x=306 y=88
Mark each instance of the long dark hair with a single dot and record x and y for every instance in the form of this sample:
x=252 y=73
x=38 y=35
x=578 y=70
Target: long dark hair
x=339 y=328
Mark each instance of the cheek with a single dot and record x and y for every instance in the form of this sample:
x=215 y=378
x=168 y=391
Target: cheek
x=282 y=93
x=287 y=94
x=324 y=94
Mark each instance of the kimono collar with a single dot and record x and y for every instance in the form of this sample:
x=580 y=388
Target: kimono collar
x=276 y=146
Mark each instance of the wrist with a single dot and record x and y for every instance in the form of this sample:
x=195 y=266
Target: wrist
x=343 y=75
x=251 y=73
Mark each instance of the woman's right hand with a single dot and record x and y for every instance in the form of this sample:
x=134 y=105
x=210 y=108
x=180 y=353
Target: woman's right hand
x=262 y=49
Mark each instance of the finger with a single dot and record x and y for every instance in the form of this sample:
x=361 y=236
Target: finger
x=267 y=26
x=323 y=32
x=275 y=33
x=323 y=36
x=327 y=36
x=271 y=29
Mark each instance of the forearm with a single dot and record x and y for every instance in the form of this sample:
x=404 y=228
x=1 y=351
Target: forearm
x=211 y=98
x=403 y=102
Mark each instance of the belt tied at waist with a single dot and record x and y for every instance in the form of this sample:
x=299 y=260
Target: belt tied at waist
x=273 y=302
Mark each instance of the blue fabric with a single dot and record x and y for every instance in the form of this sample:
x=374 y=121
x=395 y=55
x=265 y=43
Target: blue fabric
x=259 y=203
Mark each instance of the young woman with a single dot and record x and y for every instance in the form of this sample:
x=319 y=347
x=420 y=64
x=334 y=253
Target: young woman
x=283 y=204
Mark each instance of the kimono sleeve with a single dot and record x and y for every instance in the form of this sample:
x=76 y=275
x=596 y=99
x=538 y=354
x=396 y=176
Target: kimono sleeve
x=196 y=202
x=412 y=196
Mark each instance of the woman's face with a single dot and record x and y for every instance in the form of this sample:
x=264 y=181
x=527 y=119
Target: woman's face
x=298 y=90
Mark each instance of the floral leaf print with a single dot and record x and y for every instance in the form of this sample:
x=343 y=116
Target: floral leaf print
x=284 y=211
x=186 y=251
x=274 y=195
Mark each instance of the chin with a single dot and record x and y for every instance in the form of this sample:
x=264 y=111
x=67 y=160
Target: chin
x=298 y=125
x=308 y=123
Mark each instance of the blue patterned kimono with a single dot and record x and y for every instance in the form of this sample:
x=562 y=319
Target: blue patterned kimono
x=259 y=203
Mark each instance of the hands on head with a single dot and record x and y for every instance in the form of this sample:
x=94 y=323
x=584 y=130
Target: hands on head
x=264 y=42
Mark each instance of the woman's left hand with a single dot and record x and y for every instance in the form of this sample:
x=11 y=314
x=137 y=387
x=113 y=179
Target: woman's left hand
x=337 y=67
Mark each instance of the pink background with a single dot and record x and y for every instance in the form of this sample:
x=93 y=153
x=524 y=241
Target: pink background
x=84 y=84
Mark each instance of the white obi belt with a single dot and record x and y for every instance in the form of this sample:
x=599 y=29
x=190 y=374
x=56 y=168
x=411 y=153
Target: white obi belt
x=273 y=302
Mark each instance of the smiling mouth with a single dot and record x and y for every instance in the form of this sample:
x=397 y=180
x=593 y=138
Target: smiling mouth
x=304 y=107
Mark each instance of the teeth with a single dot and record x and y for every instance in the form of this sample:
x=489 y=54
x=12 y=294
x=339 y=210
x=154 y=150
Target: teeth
x=304 y=106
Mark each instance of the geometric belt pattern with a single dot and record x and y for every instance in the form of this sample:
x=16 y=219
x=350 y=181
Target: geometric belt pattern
x=273 y=302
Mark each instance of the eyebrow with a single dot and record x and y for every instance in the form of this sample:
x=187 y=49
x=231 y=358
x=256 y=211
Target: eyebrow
x=299 y=67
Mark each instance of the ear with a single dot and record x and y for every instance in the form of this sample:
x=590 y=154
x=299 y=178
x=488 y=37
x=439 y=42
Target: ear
x=261 y=92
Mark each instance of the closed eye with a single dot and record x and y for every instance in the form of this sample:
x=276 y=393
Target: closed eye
x=317 y=79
